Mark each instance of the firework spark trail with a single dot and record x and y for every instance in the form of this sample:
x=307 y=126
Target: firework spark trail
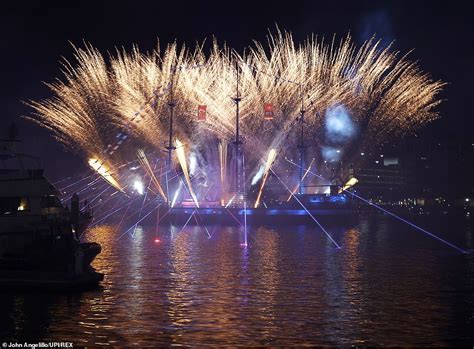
x=350 y=183
x=97 y=179
x=359 y=79
x=146 y=165
x=268 y=165
x=146 y=193
x=75 y=112
x=104 y=171
x=184 y=166
x=106 y=214
x=223 y=167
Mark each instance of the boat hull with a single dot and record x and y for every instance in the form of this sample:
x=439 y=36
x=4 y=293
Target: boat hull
x=231 y=216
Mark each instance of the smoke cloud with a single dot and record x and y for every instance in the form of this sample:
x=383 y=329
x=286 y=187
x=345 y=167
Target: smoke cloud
x=339 y=129
x=339 y=126
x=331 y=154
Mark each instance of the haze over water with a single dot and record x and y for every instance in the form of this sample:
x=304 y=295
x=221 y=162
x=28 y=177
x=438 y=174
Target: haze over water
x=389 y=285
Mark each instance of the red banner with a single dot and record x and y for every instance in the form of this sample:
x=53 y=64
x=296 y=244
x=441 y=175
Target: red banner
x=268 y=111
x=202 y=111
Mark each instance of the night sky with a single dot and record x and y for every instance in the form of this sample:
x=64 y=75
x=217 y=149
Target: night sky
x=35 y=35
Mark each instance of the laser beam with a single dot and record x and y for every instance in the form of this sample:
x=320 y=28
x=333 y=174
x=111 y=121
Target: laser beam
x=413 y=225
x=309 y=213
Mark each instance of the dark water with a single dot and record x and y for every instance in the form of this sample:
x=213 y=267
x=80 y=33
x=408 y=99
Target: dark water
x=389 y=285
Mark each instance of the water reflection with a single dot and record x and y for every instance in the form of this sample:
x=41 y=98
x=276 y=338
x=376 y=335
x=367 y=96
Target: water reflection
x=289 y=286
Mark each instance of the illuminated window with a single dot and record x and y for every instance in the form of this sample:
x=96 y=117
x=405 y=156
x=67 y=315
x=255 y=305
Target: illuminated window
x=24 y=204
x=12 y=205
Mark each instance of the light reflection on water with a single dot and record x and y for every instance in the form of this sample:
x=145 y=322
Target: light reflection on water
x=387 y=286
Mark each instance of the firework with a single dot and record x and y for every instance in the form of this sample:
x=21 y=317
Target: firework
x=180 y=153
x=350 y=183
x=270 y=159
x=176 y=194
x=390 y=93
x=223 y=168
x=146 y=165
x=103 y=170
x=105 y=107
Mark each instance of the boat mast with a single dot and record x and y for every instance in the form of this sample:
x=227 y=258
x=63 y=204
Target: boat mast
x=238 y=144
x=301 y=145
x=170 y=147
